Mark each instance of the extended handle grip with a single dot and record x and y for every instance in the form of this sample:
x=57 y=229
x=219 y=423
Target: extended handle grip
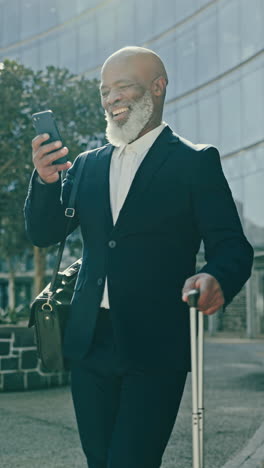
x=193 y=297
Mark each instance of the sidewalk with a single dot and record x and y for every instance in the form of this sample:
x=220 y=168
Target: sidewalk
x=234 y=404
x=38 y=428
x=252 y=456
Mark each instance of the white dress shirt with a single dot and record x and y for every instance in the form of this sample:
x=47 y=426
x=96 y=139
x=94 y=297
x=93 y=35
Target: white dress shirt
x=125 y=162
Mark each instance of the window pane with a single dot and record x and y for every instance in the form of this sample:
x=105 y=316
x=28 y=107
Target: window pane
x=47 y=15
x=209 y=122
x=230 y=117
x=167 y=51
x=106 y=37
x=29 y=18
x=186 y=118
x=252 y=15
x=186 y=71
x=65 y=10
x=67 y=49
x=49 y=51
x=82 y=5
x=30 y=56
x=11 y=22
x=253 y=110
x=229 y=35
x=207 y=59
x=144 y=20
x=87 y=56
x=127 y=30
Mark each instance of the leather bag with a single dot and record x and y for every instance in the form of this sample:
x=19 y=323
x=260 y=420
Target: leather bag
x=50 y=309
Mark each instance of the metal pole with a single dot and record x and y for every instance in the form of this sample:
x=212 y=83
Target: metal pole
x=197 y=378
x=195 y=422
x=200 y=383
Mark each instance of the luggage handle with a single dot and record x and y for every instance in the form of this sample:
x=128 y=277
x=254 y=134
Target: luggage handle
x=197 y=377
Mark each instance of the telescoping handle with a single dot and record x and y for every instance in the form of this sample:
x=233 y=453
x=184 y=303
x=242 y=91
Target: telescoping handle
x=197 y=377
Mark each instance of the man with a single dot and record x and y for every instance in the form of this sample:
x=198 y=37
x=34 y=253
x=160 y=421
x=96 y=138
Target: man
x=145 y=202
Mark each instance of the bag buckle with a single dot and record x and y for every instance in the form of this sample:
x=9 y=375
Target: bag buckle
x=47 y=307
x=70 y=212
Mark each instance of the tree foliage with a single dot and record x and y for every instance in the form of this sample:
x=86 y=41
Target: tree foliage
x=76 y=105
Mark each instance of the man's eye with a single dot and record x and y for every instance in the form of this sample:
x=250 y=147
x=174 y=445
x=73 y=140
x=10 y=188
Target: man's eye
x=104 y=93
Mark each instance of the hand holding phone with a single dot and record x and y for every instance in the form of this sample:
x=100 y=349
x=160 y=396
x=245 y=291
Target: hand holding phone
x=49 y=157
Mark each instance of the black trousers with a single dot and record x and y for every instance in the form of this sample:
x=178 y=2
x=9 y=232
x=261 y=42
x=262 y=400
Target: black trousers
x=125 y=416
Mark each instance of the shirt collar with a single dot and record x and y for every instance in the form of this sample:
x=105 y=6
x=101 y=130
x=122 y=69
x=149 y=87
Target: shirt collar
x=142 y=144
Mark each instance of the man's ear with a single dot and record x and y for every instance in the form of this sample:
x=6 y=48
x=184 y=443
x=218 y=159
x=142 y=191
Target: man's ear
x=159 y=86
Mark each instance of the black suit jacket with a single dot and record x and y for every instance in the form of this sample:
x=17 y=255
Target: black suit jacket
x=179 y=196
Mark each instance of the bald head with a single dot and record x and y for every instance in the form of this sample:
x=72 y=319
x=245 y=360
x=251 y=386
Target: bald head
x=145 y=60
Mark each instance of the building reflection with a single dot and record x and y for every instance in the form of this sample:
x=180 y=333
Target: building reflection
x=214 y=54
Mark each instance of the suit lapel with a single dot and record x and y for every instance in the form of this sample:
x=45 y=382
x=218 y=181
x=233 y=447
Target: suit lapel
x=154 y=159
x=103 y=160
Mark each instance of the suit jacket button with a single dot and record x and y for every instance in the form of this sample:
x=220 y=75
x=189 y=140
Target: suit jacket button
x=112 y=244
x=100 y=281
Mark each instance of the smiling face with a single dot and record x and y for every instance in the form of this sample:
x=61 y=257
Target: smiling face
x=121 y=85
x=131 y=95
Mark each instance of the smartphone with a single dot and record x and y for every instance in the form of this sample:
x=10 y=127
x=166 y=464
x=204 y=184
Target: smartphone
x=44 y=122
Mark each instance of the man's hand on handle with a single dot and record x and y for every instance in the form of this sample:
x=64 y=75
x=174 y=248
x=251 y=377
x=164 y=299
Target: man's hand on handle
x=42 y=161
x=211 y=295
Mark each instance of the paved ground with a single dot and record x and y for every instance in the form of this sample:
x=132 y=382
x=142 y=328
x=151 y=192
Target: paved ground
x=37 y=429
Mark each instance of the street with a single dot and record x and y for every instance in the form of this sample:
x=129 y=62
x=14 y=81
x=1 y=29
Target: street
x=38 y=428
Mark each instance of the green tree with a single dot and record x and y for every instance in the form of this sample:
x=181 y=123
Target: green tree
x=76 y=105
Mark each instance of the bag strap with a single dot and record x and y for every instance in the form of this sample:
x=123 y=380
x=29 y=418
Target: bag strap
x=69 y=213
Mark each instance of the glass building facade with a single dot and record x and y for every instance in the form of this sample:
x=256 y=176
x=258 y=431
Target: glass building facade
x=214 y=55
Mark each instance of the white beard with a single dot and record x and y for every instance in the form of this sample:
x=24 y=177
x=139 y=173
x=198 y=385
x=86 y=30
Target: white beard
x=140 y=114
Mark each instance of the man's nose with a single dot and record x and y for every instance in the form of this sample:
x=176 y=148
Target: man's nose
x=114 y=96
